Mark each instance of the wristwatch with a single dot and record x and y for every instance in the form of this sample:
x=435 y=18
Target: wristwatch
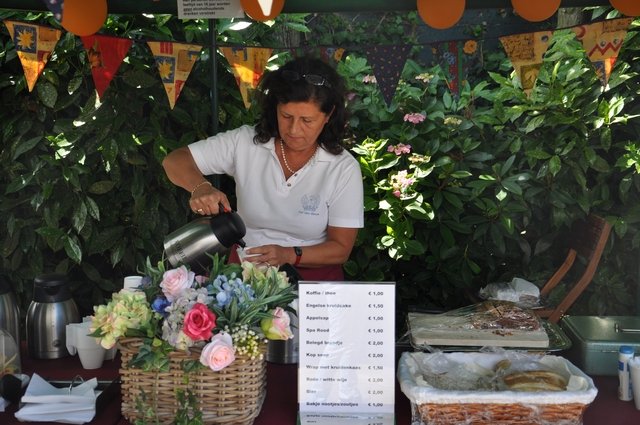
x=298 y=252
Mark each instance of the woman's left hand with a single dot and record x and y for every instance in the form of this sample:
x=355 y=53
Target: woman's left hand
x=271 y=255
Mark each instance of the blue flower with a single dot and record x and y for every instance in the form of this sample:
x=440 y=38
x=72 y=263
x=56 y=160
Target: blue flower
x=146 y=282
x=226 y=290
x=160 y=304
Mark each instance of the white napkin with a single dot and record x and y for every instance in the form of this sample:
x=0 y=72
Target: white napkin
x=46 y=403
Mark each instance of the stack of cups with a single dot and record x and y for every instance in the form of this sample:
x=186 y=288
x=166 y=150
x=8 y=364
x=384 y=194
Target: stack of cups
x=634 y=372
x=629 y=375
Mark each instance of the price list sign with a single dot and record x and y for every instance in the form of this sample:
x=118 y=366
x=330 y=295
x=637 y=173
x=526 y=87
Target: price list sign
x=347 y=350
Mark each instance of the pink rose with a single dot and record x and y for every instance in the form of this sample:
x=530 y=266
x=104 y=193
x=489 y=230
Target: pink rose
x=277 y=327
x=219 y=353
x=175 y=281
x=199 y=322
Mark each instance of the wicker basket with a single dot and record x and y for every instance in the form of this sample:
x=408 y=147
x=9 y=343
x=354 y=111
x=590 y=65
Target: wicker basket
x=501 y=414
x=434 y=406
x=233 y=395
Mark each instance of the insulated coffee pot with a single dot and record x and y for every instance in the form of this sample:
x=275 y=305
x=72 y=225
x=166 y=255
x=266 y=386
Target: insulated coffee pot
x=9 y=312
x=48 y=315
x=191 y=243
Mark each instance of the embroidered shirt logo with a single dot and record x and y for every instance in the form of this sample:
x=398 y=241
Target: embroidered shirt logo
x=310 y=204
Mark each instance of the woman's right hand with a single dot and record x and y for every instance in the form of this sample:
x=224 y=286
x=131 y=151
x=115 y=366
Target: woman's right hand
x=207 y=200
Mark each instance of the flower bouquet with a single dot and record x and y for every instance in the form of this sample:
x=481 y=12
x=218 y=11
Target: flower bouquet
x=192 y=346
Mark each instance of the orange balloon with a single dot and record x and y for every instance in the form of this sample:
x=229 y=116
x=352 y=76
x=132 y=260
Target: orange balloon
x=441 y=14
x=535 y=11
x=84 y=17
x=627 y=7
x=254 y=9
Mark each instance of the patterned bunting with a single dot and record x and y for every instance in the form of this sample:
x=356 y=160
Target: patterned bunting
x=55 y=6
x=602 y=42
x=34 y=44
x=526 y=52
x=455 y=59
x=248 y=64
x=174 y=61
x=105 y=54
x=387 y=63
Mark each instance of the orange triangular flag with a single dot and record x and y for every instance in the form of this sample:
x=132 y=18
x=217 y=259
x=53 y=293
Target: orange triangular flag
x=526 y=52
x=105 y=54
x=602 y=42
x=175 y=62
x=248 y=65
x=34 y=44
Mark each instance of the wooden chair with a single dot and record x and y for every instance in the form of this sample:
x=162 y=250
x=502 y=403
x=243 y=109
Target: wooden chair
x=587 y=240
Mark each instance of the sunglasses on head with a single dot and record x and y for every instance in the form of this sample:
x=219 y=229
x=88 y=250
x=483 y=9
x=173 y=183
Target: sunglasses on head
x=313 y=79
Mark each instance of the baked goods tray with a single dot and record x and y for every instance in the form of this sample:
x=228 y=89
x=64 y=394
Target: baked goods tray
x=558 y=341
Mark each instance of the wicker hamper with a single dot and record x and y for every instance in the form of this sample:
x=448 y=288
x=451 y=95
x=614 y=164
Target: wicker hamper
x=233 y=395
x=434 y=406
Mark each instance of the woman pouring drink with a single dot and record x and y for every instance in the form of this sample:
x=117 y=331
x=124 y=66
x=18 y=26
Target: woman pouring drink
x=298 y=190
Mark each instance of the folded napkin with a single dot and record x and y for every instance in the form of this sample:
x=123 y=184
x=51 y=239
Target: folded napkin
x=44 y=402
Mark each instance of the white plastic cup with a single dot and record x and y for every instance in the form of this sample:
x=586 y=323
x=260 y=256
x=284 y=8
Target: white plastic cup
x=634 y=370
x=132 y=283
x=87 y=347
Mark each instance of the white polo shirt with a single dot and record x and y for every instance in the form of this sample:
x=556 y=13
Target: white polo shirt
x=294 y=212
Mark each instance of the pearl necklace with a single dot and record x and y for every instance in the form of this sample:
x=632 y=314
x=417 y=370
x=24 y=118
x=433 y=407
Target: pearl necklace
x=286 y=163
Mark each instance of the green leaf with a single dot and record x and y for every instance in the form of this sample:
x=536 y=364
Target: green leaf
x=73 y=250
x=47 y=93
x=26 y=146
x=74 y=83
x=79 y=217
x=101 y=187
x=555 y=164
x=512 y=186
x=507 y=165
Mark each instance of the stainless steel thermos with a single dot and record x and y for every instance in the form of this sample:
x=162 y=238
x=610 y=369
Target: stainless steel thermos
x=191 y=243
x=9 y=311
x=48 y=315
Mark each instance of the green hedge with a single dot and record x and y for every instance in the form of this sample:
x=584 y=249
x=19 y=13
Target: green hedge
x=493 y=178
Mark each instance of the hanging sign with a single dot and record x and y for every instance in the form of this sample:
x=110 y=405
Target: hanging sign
x=209 y=9
x=347 y=352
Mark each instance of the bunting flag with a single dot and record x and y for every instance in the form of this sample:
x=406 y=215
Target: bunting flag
x=248 y=64
x=105 y=54
x=55 y=6
x=526 y=52
x=456 y=58
x=34 y=44
x=387 y=63
x=174 y=61
x=602 y=42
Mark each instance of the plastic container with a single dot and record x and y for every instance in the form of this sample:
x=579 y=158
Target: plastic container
x=9 y=354
x=625 y=392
